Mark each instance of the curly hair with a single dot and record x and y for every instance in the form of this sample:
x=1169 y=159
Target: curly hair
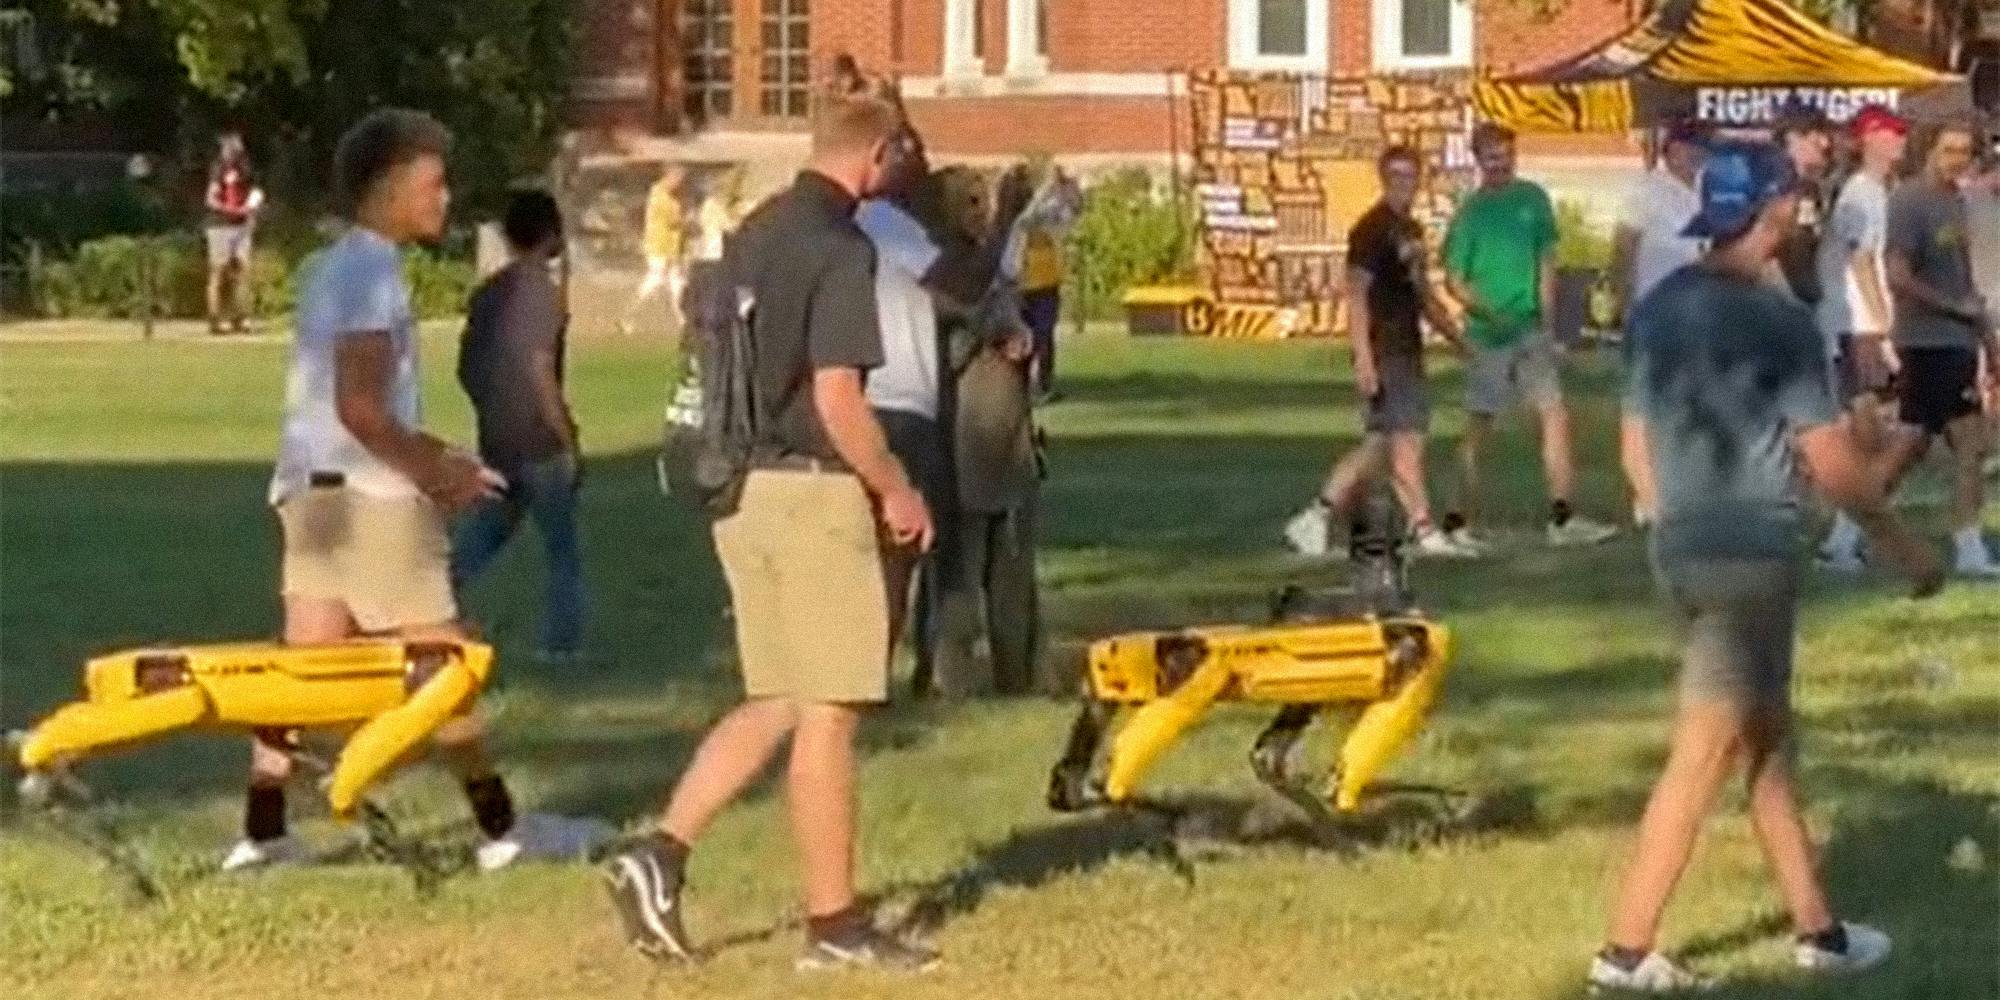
x=371 y=148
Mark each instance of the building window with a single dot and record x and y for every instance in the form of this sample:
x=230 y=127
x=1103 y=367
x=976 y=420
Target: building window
x=1422 y=34
x=1042 y=28
x=979 y=28
x=707 y=59
x=1287 y=35
x=784 y=70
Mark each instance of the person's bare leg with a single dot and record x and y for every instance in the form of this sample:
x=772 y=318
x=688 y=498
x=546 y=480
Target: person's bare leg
x=1344 y=484
x=1558 y=460
x=730 y=757
x=1406 y=470
x=1968 y=440
x=820 y=792
x=1478 y=430
x=1781 y=830
x=215 y=297
x=1638 y=471
x=1707 y=735
x=309 y=621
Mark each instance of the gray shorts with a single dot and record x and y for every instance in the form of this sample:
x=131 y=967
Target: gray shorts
x=228 y=245
x=1402 y=404
x=1527 y=367
x=1738 y=621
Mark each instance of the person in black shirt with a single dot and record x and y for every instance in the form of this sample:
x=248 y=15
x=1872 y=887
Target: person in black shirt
x=510 y=362
x=1388 y=293
x=1805 y=133
x=805 y=551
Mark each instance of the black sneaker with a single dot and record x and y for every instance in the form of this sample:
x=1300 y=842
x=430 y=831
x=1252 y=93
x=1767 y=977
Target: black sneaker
x=645 y=886
x=866 y=948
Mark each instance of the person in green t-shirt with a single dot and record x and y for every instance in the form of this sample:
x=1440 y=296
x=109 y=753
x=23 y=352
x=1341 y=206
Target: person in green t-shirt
x=1499 y=256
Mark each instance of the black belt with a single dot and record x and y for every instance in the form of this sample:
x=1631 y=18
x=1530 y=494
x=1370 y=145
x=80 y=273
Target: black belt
x=320 y=479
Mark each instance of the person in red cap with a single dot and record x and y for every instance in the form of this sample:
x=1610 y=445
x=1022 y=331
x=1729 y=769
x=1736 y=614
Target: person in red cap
x=1854 y=309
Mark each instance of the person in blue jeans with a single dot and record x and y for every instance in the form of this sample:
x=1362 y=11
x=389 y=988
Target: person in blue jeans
x=510 y=362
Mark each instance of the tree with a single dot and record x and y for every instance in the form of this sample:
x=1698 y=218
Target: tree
x=293 y=73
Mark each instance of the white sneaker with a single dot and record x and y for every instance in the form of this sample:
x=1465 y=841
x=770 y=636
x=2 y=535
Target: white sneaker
x=1866 y=949
x=1580 y=531
x=1438 y=545
x=1308 y=530
x=546 y=836
x=1974 y=560
x=1464 y=539
x=247 y=854
x=1655 y=974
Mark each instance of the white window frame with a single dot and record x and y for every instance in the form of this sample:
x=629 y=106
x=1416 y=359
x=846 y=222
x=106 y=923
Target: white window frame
x=960 y=61
x=1387 y=38
x=1022 y=59
x=1243 y=52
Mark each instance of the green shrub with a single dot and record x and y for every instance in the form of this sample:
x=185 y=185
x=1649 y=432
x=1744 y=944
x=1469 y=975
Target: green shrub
x=105 y=279
x=1127 y=235
x=439 y=283
x=1580 y=243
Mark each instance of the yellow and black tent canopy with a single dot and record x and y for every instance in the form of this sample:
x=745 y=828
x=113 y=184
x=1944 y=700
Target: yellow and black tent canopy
x=1731 y=62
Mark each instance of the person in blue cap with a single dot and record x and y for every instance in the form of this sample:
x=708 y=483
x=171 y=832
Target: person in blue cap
x=1730 y=383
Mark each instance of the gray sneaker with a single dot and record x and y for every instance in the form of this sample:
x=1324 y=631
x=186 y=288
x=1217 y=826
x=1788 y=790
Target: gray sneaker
x=1580 y=531
x=866 y=948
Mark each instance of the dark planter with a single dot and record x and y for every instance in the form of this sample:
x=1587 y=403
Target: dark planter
x=1572 y=313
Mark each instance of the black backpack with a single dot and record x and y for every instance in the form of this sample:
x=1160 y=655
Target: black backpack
x=712 y=411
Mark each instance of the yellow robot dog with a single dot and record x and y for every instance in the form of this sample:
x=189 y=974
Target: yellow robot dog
x=397 y=692
x=1367 y=647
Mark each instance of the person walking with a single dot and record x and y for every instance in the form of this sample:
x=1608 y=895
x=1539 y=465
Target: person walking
x=803 y=552
x=510 y=364
x=664 y=243
x=1854 y=307
x=1646 y=247
x=362 y=493
x=1499 y=257
x=1942 y=325
x=1731 y=383
x=1389 y=293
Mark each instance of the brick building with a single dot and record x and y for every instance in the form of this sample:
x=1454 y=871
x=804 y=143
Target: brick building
x=1001 y=77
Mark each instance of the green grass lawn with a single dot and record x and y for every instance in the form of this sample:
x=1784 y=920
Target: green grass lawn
x=132 y=505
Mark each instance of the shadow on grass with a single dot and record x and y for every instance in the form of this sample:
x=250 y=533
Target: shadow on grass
x=1914 y=858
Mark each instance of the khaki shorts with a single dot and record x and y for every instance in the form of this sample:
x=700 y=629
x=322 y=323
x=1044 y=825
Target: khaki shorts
x=388 y=560
x=804 y=564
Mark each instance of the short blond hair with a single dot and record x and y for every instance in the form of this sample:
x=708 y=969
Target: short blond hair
x=855 y=111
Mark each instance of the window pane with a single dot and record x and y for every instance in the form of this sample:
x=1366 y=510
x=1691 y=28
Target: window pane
x=1041 y=27
x=1281 y=27
x=768 y=103
x=795 y=35
x=979 y=27
x=1427 y=27
x=795 y=66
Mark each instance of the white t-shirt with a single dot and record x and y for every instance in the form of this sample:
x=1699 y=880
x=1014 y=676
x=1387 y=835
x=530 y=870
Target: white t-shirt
x=1658 y=208
x=907 y=380
x=1860 y=222
x=354 y=286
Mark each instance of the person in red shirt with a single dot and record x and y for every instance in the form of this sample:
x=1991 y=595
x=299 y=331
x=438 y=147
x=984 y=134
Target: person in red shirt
x=233 y=199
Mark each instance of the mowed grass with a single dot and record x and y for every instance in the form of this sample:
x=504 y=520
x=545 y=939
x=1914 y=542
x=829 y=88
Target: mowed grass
x=133 y=490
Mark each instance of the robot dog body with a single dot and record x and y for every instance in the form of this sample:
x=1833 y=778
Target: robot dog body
x=397 y=693
x=1366 y=647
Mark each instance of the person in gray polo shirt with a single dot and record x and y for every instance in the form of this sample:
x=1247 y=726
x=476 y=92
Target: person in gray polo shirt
x=1730 y=381
x=1941 y=325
